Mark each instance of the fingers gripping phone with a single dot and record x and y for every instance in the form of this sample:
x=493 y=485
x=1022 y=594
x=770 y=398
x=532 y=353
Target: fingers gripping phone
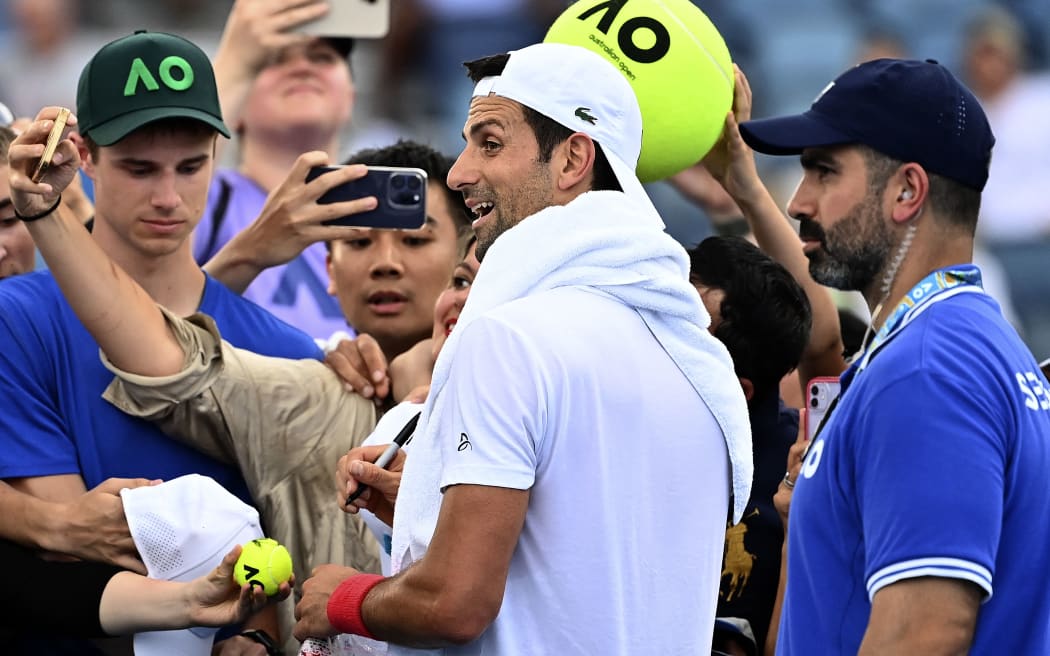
x=820 y=393
x=401 y=192
x=53 y=138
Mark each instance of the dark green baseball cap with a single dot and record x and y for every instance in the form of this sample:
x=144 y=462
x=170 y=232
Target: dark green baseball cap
x=146 y=77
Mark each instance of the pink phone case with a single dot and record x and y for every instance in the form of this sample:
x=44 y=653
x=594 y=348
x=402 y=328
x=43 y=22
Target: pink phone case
x=820 y=393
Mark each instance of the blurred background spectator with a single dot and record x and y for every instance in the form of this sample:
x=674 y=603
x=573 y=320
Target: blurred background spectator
x=411 y=85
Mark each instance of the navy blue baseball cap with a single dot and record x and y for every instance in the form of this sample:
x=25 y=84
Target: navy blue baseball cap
x=913 y=111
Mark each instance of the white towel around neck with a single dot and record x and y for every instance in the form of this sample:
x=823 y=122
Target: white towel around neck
x=603 y=241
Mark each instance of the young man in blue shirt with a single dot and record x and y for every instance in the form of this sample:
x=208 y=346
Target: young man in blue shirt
x=918 y=503
x=149 y=117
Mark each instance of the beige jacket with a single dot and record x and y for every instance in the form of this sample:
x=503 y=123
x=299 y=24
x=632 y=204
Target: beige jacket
x=285 y=422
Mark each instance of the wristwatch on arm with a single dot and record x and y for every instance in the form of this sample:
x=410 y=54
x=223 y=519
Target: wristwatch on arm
x=264 y=639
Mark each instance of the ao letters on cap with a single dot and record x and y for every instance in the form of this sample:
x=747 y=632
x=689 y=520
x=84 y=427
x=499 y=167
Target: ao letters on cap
x=140 y=73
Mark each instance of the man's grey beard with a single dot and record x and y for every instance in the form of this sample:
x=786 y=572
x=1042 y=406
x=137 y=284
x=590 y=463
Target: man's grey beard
x=854 y=251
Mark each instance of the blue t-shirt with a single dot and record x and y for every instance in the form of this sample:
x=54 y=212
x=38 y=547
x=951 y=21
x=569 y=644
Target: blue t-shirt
x=54 y=419
x=934 y=463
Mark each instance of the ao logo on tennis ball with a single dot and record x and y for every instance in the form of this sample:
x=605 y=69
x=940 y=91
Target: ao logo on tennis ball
x=676 y=62
x=264 y=563
x=625 y=33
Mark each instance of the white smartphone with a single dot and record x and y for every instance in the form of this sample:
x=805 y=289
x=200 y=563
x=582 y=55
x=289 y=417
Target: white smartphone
x=821 y=392
x=361 y=19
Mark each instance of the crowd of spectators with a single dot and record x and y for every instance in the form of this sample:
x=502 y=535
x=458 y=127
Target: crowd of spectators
x=246 y=338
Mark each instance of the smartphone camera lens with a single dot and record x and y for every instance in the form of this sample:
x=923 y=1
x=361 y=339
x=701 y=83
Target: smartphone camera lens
x=814 y=390
x=405 y=191
x=814 y=403
x=407 y=198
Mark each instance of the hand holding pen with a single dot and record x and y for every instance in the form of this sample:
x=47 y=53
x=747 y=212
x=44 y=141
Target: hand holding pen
x=385 y=459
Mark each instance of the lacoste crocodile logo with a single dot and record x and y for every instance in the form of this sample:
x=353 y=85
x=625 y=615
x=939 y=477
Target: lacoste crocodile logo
x=581 y=113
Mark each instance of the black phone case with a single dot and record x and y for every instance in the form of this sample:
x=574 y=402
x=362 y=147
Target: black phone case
x=399 y=208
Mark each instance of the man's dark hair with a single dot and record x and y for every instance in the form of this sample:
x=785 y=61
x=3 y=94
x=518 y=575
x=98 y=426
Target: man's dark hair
x=548 y=132
x=343 y=45
x=7 y=135
x=956 y=202
x=766 y=316
x=166 y=126
x=852 y=329
x=414 y=154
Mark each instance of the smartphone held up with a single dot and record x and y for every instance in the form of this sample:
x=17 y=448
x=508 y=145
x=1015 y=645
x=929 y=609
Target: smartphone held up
x=361 y=19
x=53 y=139
x=401 y=193
x=821 y=393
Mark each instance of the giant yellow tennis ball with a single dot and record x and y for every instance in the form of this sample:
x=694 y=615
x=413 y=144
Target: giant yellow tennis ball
x=263 y=562
x=677 y=63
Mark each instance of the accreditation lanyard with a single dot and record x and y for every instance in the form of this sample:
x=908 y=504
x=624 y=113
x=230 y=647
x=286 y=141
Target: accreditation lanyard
x=938 y=286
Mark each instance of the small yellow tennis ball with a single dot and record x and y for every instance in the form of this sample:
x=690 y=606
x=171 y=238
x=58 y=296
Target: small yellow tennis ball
x=676 y=61
x=263 y=562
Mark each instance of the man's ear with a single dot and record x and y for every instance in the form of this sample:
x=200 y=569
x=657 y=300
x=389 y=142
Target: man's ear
x=911 y=185
x=748 y=387
x=87 y=164
x=331 y=273
x=576 y=161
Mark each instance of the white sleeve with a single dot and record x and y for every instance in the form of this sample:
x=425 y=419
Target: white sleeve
x=495 y=411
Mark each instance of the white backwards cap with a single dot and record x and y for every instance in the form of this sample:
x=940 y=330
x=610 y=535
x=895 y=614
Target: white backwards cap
x=583 y=92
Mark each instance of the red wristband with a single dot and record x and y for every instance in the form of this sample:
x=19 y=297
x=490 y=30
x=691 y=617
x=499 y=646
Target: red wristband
x=344 y=606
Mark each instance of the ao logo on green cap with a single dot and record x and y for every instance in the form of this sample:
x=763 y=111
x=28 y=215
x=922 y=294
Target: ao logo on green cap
x=140 y=73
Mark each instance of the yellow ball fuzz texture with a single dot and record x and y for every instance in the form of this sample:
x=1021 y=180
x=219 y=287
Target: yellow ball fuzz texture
x=263 y=562
x=676 y=61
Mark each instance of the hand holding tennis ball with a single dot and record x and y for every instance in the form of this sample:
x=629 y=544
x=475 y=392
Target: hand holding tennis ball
x=263 y=562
